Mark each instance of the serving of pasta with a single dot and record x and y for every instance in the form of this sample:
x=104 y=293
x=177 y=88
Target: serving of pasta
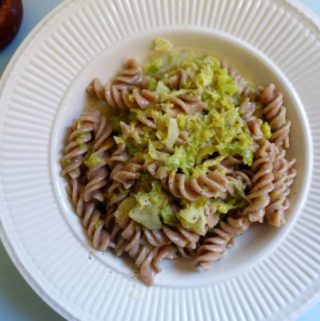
x=186 y=156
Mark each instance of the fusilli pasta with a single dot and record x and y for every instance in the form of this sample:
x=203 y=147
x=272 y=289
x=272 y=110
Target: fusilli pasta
x=275 y=113
x=91 y=217
x=78 y=143
x=187 y=155
x=262 y=183
x=215 y=244
x=213 y=184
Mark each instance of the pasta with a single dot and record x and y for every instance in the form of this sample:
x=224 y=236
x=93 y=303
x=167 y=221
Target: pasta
x=213 y=184
x=262 y=183
x=185 y=155
x=128 y=173
x=253 y=123
x=122 y=98
x=275 y=114
x=91 y=217
x=187 y=104
x=283 y=171
x=97 y=174
x=77 y=146
x=214 y=245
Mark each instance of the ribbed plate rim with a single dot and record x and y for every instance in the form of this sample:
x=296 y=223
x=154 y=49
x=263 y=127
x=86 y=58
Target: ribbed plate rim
x=23 y=270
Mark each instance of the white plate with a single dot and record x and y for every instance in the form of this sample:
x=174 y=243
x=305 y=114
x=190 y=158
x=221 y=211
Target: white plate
x=270 y=275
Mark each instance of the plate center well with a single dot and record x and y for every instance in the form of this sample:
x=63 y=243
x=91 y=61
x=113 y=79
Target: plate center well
x=260 y=239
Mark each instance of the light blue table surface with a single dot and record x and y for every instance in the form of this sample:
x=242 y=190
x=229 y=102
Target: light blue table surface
x=17 y=300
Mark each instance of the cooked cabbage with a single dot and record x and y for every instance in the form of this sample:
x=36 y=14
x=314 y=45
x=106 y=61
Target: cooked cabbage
x=173 y=133
x=149 y=208
x=122 y=212
x=161 y=44
x=266 y=130
x=193 y=217
x=93 y=160
x=212 y=134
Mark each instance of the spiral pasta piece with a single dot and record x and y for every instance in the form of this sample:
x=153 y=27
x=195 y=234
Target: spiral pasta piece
x=212 y=184
x=128 y=173
x=115 y=194
x=215 y=244
x=186 y=252
x=139 y=98
x=284 y=174
x=122 y=98
x=156 y=237
x=292 y=173
x=238 y=180
x=254 y=124
x=169 y=235
x=118 y=156
x=262 y=183
x=178 y=80
x=91 y=217
x=188 y=104
x=146 y=257
x=78 y=143
x=130 y=75
x=231 y=162
x=275 y=113
x=98 y=174
x=163 y=253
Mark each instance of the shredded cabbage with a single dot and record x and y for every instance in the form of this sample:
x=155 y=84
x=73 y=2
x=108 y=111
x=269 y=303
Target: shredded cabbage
x=152 y=207
x=162 y=89
x=122 y=212
x=173 y=133
x=225 y=83
x=147 y=216
x=93 y=160
x=266 y=130
x=193 y=217
x=79 y=141
x=161 y=44
x=211 y=135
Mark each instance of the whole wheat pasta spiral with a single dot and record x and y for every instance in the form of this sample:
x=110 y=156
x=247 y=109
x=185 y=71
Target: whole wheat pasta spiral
x=283 y=179
x=262 y=183
x=91 y=217
x=212 y=184
x=215 y=244
x=187 y=104
x=179 y=79
x=119 y=155
x=128 y=173
x=118 y=97
x=78 y=140
x=145 y=256
x=98 y=173
x=168 y=235
x=275 y=113
x=130 y=75
x=238 y=179
x=253 y=123
x=142 y=254
x=184 y=155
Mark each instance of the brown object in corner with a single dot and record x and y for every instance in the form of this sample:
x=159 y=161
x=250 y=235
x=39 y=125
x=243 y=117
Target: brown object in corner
x=11 y=12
